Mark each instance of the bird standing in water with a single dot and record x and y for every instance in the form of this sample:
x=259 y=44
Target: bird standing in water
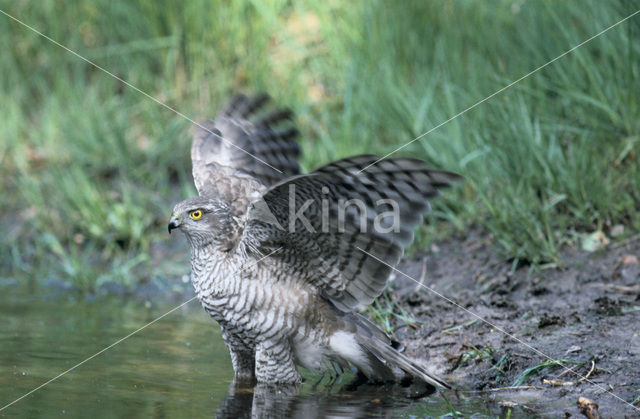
x=281 y=259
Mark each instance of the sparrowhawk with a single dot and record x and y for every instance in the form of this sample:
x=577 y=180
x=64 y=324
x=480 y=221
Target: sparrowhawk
x=281 y=260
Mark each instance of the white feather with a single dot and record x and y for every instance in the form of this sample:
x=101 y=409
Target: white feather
x=309 y=354
x=344 y=344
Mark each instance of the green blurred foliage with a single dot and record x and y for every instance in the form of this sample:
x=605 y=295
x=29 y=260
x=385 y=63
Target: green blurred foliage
x=90 y=168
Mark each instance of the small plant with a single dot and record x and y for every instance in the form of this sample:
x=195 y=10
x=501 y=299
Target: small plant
x=545 y=366
x=475 y=354
x=550 y=159
x=389 y=314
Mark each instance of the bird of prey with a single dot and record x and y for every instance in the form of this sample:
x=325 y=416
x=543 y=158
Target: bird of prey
x=282 y=260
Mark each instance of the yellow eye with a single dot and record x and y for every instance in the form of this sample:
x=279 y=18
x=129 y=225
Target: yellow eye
x=196 y=214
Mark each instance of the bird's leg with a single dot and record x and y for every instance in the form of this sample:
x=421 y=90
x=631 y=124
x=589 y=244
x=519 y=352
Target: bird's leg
x=274 y=363
x=273 y=401
x=242 y=358
x=243 y=365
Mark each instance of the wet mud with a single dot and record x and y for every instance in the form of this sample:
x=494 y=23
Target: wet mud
x=547 y=336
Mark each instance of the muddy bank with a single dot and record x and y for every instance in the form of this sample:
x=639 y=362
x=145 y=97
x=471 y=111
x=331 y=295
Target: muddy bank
x=585 y=314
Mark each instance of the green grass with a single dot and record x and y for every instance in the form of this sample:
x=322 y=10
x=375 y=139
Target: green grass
x=391 y=316
x=89 y=168
x=475 y=354
x=545 y=366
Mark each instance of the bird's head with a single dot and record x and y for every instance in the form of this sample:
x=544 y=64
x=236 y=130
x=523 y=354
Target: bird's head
x=203 y=220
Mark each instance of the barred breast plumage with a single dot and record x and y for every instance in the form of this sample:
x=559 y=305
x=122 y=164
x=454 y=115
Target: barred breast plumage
x=281 y=261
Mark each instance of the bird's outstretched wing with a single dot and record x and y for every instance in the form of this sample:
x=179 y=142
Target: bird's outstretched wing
x=329 y=222
x=245 y=149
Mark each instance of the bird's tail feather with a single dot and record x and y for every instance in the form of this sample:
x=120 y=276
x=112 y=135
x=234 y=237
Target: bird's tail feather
x=386 y=354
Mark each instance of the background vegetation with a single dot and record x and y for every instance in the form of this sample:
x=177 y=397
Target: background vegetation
x=90 y=168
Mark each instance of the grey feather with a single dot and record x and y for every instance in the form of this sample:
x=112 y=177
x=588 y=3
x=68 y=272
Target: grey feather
x=284 y=289
x=346 y=275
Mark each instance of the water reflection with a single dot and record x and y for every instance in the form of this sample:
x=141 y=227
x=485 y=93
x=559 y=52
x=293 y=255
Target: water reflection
x=342 y=401
x=178 y=367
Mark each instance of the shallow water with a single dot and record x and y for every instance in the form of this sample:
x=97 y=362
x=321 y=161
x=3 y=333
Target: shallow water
x=176 y=367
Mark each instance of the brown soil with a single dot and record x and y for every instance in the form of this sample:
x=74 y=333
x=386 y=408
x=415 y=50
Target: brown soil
x=586 y=312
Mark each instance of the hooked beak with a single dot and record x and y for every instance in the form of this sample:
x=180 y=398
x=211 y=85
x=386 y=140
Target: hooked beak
x=174 y=222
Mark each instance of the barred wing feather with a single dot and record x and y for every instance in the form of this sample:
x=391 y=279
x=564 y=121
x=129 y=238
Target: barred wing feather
x=245 y=149
x=326 y=216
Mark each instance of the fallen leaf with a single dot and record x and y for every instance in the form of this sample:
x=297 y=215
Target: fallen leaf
x=589 y=408
x=617 y=230
x=630 y=260
x=594 y=241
